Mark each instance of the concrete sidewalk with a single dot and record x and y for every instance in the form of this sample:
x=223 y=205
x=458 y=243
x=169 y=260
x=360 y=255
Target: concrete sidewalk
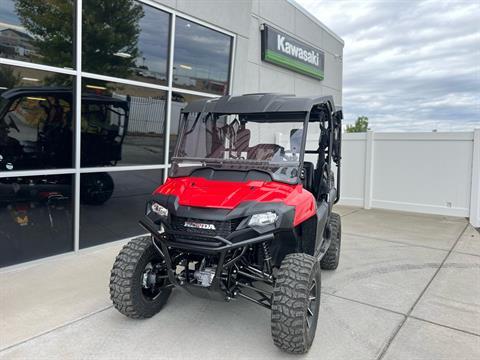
x=408 y=287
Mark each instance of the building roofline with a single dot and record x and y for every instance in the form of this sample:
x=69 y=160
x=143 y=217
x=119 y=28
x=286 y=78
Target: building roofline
x=315 y=20
x=24 y=34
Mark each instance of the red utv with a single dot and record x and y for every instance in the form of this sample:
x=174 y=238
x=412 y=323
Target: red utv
x=243 y=213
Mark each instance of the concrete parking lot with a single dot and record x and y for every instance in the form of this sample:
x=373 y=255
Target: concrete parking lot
x=408 y=287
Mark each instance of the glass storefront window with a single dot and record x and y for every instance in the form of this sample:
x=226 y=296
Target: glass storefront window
x=38 y=31
x=35 y=217
x=36 y=126
x=179 y=101
x=201 y=58
x=122 y=124
x=125 y=39
x=111 y=212
x=119 y=124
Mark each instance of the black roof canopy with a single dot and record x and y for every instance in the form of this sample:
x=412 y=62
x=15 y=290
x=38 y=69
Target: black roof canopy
x=258 y=103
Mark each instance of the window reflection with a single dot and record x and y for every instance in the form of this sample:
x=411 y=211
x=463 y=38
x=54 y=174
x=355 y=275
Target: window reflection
x=35 y=217
x=125 y=39
x=36 y=127
x=39 y=31
x=201 y=58
x=117 y=217
x=179 y=101
x=122 y=124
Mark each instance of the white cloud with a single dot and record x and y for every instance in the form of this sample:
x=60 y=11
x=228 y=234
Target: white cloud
x=408 y=65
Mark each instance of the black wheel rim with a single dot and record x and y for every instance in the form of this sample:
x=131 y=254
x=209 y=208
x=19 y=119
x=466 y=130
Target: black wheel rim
x=153 y=280
x=312 y=308
x=98 y=190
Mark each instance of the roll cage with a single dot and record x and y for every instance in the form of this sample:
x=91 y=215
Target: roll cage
x=275 y=108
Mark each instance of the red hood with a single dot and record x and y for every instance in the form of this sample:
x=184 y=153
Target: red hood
x=200 y=192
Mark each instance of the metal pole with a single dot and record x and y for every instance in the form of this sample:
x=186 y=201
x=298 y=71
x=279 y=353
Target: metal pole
x=78 y=124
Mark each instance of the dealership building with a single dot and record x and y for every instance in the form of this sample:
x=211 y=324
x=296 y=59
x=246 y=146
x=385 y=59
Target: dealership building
x=91 y=92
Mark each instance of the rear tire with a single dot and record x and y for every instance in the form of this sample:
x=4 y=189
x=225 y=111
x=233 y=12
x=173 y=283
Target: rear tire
x=332 y=257
x=132 y=290
x=296 y=303
x=96 y=188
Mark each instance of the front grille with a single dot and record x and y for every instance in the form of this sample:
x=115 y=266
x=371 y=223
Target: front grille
x=222 y=228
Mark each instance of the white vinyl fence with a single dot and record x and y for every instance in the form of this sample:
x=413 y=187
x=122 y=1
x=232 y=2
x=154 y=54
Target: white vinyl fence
x=434 y=173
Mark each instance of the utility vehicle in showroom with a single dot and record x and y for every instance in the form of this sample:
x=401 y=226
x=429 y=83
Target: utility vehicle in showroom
x=36 y=132
x=243 y=214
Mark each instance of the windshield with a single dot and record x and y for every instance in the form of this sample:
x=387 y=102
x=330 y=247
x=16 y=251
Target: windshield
x=238 y=142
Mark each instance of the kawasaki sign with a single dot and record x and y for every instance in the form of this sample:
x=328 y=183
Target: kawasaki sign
x=283 y=50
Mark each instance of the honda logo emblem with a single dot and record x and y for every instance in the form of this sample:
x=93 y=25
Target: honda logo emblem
x=196 y=225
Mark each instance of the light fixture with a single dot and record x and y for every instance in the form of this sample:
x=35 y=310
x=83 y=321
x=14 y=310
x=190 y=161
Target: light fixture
x=186 y=67
x=3 y=88
x=96 y=87
x=159 y=209
x=36 y=98
x=262 y=219
x=30 y=79
x=123 y=55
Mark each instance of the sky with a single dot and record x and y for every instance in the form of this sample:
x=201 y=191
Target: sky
x=409 y=65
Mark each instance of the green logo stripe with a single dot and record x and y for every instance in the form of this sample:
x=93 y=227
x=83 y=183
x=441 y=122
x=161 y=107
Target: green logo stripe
x=293 y=64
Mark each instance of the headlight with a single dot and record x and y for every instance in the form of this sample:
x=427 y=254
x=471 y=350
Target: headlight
x=159 y=209
x=262 y=219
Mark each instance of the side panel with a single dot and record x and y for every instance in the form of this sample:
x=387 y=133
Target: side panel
x=309 y=235
x=304 y=203
x=322 y=217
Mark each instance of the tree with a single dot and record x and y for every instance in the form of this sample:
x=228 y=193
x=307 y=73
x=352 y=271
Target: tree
x=50 y=23
x=110 y=36
x=110 y=33
x=8 y=79
x=361 y=125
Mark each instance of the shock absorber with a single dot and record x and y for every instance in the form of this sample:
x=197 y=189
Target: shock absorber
x=267 y=257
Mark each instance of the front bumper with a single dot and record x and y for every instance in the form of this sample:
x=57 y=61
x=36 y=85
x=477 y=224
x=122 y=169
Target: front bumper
x=227 y=242
x=204 y=244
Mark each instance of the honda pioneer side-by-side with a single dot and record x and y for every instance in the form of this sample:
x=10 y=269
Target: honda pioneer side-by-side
x=243 y=214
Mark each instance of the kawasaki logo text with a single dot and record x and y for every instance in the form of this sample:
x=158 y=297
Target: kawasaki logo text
x=311 y=57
